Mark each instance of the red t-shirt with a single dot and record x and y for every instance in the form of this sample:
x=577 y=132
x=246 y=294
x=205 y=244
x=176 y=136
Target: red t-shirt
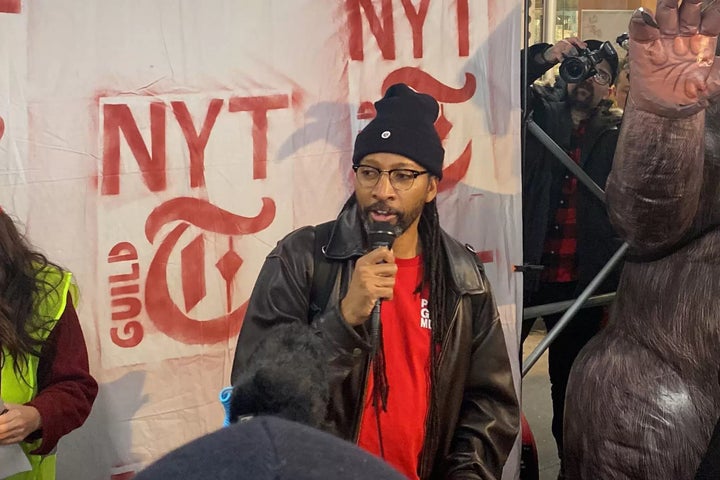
x=406 y=337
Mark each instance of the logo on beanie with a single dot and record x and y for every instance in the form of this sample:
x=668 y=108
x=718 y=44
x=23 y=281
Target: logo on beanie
x=385 y=134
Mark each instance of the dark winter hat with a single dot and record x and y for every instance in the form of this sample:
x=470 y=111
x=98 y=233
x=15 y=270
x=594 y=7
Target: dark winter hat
x=404 y=125
x=269 y=448
x=593 y=45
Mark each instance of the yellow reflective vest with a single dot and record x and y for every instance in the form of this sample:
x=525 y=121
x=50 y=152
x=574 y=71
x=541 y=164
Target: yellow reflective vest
x=21 y=390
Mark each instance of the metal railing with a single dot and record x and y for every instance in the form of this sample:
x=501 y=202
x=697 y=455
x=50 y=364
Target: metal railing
x=576 y=305
x=557 y=307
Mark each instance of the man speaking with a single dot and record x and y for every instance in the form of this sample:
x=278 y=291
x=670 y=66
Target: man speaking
x=426 y=384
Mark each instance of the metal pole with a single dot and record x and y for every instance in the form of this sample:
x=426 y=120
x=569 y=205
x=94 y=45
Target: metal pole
x=549 y=17
x=565 y=159
x=556 y=307
x=577 y=304
x=524 y=99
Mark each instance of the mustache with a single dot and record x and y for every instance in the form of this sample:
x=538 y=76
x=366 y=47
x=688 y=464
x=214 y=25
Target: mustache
x=585 y=85
x=381 y=206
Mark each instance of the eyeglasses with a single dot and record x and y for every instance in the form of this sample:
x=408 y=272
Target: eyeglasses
x=602 y=77
x=400 y=178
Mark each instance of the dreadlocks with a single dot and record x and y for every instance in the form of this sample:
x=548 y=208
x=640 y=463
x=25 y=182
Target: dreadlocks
x=434 y=275
x=434 y=272
x=21 y=290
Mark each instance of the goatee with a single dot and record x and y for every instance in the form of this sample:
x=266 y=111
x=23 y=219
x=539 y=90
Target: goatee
x=586 y=103
x=401 y=221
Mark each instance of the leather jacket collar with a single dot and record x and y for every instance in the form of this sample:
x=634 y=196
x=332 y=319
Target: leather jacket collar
x=347 y=241
x=347 y=238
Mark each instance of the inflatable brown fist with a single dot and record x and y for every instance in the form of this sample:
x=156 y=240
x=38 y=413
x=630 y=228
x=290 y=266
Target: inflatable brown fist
x=643 y=396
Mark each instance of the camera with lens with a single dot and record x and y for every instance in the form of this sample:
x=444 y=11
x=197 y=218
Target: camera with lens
x=577 y=69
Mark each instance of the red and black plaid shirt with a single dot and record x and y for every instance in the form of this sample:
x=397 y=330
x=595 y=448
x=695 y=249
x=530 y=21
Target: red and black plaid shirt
x=561 y=238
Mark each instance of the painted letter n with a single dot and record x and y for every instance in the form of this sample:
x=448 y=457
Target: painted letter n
x=118 y=117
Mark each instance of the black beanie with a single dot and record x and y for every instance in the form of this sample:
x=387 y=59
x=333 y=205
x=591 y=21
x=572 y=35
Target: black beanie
x=404 y=125
x=593 y=45
x=269 y=448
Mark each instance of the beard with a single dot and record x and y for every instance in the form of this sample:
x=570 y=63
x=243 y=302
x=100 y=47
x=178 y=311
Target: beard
x=585 y=103
x=403 y=220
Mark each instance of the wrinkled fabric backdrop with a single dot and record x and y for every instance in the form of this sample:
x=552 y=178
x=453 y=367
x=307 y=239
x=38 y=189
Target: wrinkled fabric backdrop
x=160 y=148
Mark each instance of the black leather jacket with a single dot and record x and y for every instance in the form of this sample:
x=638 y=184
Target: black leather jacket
x=479 y=412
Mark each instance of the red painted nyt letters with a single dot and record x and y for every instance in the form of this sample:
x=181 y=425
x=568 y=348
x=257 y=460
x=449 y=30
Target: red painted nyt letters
x=10 y=6
x=139 y=159
x=382 y=26
x=170 y=311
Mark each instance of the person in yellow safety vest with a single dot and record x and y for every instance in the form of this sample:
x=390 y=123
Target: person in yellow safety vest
x=45 y=382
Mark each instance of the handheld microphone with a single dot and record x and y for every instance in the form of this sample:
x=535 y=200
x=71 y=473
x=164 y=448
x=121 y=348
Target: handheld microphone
x=380 y=234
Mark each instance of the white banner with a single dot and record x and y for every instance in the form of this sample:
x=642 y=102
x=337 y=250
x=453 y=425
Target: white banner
x=160 y=148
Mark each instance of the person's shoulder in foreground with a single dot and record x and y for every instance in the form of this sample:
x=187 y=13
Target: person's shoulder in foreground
x=265 y=448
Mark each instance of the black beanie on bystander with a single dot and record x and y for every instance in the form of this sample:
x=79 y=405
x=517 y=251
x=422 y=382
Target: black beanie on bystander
x=269 y=448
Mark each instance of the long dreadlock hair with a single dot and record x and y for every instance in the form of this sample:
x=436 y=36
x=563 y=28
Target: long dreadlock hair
x=435 y=267
x=21 y=291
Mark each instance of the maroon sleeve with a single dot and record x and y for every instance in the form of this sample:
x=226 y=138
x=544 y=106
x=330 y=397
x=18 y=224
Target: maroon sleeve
x=66 y=390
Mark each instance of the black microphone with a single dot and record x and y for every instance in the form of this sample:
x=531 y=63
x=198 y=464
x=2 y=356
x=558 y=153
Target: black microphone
x=380 y=234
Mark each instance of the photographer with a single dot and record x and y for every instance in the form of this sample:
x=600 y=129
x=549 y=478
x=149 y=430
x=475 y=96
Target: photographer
x=565 y=228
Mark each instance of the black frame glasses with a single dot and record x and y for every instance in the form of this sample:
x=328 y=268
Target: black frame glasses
x=602 y=77
x=400 y=178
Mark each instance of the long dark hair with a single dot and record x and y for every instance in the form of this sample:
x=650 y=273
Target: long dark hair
x=287 y=376
x=435 y=269
x=21 y=290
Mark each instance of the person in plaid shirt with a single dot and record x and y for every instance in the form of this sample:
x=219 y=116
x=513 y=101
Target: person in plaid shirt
x=565 y=228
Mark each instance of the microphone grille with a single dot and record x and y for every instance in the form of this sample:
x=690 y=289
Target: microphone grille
x=381 y=234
